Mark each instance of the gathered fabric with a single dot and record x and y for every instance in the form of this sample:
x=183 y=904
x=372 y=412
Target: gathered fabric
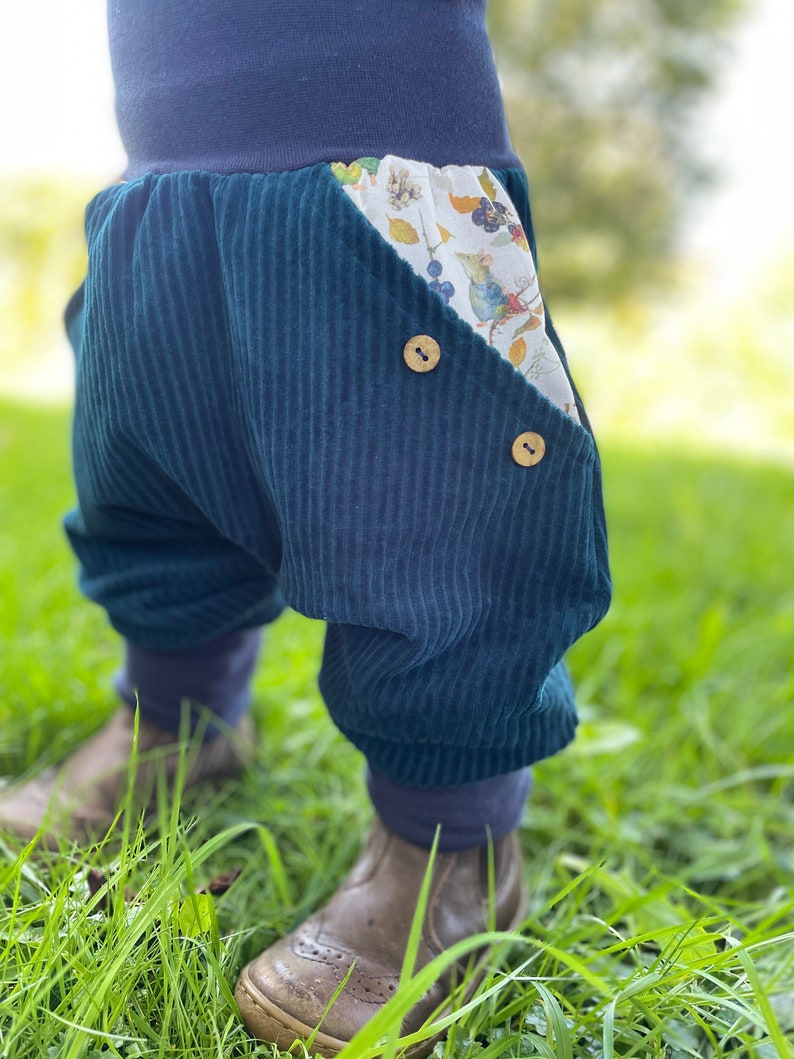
x=274 y=408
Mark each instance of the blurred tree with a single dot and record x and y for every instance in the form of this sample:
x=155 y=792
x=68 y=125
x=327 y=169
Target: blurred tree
x=42 y=260
x=600 y=95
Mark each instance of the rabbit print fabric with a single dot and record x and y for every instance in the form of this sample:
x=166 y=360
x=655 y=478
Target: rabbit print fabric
x=457 y=228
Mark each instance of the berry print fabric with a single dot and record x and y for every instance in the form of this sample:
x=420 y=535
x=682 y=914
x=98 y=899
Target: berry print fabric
x=458 y=229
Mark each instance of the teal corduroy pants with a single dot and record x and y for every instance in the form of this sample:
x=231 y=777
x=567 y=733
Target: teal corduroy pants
x=251 y=430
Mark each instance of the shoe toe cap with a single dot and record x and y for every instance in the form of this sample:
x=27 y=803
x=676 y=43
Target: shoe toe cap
x=289 y=989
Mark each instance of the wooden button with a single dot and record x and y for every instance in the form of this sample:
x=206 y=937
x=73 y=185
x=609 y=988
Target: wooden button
x=528 y=449
x=421 y=353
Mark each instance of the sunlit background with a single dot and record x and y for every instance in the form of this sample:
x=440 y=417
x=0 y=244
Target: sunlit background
x=689 y=346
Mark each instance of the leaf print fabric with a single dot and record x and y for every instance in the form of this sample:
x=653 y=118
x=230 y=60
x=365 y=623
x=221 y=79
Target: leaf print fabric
x=457 y=228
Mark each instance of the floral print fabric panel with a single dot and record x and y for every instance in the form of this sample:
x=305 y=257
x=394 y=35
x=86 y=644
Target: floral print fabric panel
x=458 y=229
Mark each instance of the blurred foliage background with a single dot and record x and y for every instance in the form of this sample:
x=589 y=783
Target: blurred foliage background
x=605 y=102
x=42 y=259
x=601 y=99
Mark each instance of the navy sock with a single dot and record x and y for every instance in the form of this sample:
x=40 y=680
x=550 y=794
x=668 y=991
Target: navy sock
x=214 y=677
x=468 y=814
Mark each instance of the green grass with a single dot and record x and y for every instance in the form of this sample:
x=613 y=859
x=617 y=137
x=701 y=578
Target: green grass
x=660 y=848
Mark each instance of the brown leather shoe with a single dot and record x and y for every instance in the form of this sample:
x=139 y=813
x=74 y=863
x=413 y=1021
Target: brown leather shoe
x=80 y=798
x=283 y=993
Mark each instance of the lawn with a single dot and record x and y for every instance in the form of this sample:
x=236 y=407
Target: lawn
x=660 y=848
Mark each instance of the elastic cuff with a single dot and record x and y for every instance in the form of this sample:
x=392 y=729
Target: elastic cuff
x=468 y=814
x=214 y=677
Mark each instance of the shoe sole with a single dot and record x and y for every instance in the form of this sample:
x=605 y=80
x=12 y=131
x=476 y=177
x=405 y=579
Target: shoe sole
x=275 y=1026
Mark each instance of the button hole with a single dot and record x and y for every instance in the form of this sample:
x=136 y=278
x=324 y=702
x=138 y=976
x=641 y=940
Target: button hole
x=422 y=353
x=529 y=448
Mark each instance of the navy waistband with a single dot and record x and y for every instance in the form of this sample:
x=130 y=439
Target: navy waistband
x=271 y=85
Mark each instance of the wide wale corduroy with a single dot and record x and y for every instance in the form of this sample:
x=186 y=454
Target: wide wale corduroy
x=247 y=433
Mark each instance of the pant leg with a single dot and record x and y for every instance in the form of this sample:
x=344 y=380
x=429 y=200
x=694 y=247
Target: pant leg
x=159 y=454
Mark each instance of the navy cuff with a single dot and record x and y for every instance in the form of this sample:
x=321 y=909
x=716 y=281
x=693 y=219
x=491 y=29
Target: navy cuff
x=214 y=677
x=468 y=814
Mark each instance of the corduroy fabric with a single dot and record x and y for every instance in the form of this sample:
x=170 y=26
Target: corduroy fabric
x=247 y=433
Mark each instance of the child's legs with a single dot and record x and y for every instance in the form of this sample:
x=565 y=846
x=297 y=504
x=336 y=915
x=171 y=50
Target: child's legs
x=445 y=520
x=158 y=459
x=245 y=413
